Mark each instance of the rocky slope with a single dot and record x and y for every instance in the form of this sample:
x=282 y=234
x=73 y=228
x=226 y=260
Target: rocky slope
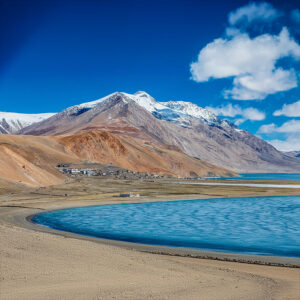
x=32 y=160
x=192 y=129
x=293 y=154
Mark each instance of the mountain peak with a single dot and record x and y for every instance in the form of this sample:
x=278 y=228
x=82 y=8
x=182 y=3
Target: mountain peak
x=179 y=112
x=142 y=94
x=13 y=122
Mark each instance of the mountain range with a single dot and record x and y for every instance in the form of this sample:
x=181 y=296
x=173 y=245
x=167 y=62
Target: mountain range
x=192 y=129
x=174 y=137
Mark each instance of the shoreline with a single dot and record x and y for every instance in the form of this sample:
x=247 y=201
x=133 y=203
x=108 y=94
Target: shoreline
x=24 y=220
x=37 y=262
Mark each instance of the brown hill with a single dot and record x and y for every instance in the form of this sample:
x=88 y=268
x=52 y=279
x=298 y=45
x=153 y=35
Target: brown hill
x=136 y=154
x=31 y=160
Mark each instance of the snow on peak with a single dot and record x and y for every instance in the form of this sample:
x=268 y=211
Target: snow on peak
x=144 y=100
x=142 y=94
x=179 y=112
x=91 y=104
x=192 y=109
x=13 y=122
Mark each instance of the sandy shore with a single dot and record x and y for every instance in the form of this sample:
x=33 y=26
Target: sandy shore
x=41 y=265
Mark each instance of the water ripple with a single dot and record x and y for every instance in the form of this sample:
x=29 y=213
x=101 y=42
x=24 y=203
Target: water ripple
x=254 y=225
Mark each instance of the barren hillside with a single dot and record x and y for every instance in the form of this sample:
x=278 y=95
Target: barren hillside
x=32 y=160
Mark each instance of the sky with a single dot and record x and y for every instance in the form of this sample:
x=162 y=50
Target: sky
x=239 y=59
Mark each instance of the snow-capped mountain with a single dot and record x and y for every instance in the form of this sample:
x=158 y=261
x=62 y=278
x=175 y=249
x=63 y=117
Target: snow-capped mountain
x=11 y=123
x=179 y=112
x=174 y=124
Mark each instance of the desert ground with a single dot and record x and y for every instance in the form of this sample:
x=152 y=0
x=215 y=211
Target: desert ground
x=43 y=264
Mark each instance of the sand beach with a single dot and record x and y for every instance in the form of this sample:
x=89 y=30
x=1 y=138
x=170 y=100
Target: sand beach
x=40 y=263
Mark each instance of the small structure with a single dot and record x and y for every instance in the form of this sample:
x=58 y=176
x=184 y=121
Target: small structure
x=75 y=171
x=129 y=195
x=63 y=166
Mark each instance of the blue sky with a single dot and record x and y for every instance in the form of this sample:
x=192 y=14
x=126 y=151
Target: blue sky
x=241 y=59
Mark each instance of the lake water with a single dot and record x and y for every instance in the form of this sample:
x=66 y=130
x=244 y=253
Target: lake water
x=254 y=225
x=267 y=176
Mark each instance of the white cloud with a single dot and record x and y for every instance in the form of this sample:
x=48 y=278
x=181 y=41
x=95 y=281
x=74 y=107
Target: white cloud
x=228 y=110
x=291 y=132
x=295 y=15
x=253 y=114
x=292 y=126
x=289 y=110
x=292 y=143
x=238 y=122
x=253 y=11
x=232 y=111
x=250 y=62
x=268 y=128
x=260 y=85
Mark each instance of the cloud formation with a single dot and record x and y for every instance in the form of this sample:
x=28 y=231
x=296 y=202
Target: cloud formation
x=290 y=131
x=289 y=110
x=292 y=126
x=232 y=111
x=251 y=62
x=253 y=11
x=292 y=143
x=228 y=110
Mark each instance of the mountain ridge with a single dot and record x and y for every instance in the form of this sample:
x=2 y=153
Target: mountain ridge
x=11 y=123
x=194 y=130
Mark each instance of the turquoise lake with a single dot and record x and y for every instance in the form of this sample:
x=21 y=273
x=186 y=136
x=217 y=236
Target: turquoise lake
x=267 y=176
x=254 y=225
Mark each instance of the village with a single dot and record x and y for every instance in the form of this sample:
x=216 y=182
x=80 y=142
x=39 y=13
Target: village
x=111 y=171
